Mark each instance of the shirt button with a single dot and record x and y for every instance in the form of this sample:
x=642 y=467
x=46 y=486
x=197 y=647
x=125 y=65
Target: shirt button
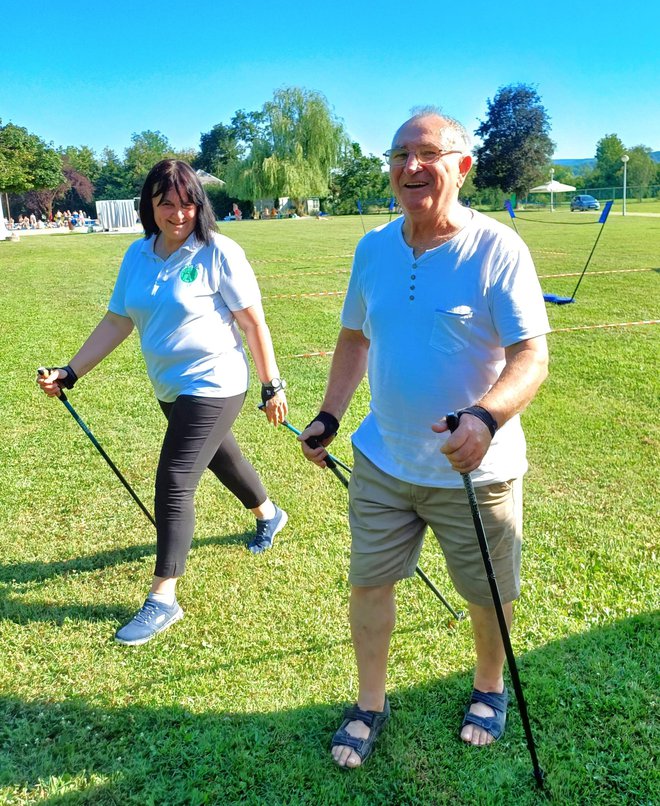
x=414 y=265
x=411 y=297
x=412 y=287
x=413 y=276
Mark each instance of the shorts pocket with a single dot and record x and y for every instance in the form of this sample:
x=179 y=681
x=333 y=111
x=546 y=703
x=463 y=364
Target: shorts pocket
x=451 y=329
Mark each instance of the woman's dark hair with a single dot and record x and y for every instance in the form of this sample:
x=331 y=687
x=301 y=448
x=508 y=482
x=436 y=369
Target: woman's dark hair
x=176 y=174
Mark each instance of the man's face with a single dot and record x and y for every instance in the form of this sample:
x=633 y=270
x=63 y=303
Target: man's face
x=427 y=190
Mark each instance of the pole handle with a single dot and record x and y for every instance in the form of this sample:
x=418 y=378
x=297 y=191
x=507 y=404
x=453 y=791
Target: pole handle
x=44 y=372
x=452 y=421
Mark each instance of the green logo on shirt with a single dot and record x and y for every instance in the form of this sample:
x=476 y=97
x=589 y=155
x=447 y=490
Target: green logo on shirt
x=189 y=273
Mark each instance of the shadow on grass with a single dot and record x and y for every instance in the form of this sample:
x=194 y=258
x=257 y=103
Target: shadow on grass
x=16 y=577
x=38 y=571
x=590 y=698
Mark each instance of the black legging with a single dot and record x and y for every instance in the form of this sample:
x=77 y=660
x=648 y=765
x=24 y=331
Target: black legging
x=198 y=436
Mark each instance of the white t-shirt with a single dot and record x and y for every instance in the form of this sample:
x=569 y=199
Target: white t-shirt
x=438 y=325
x=182 y=308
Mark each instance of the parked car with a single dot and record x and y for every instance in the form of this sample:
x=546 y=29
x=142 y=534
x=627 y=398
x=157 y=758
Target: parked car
x=584 y=202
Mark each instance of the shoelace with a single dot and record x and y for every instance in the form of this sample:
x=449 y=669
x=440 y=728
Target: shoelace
x=147 y=612
x=262 y=529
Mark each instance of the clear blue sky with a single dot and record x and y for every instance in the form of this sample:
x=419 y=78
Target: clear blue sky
x=93 y=74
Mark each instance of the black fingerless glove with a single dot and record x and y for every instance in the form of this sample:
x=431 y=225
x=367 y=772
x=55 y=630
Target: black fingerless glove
x=482 y=414
x=272 y=388
x=70 y=381
x=330 y=424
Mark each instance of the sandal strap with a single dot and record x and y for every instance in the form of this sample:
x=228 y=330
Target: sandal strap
x=354 y=713
x=345 y=739
x=498 y=702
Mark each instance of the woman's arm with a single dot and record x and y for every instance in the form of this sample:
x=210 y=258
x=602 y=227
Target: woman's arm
x=106 y=336
x=253 y=324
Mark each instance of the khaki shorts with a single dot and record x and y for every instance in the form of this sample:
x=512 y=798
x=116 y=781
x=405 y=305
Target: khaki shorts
x=388 y=518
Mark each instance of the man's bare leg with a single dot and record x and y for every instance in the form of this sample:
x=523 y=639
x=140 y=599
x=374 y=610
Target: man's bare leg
x=488 y=675
x=372 y=615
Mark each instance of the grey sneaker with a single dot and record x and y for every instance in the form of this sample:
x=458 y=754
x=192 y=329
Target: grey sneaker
x=153 y=617
x=266 y=531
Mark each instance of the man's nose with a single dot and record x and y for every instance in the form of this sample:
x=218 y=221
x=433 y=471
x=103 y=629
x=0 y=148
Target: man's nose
x=412 y=163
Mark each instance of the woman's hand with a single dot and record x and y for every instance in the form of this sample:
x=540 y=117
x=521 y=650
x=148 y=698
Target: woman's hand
x=47 y=379
x=276 y=408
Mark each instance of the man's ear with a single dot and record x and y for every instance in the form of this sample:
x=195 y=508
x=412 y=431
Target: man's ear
x=464 y=167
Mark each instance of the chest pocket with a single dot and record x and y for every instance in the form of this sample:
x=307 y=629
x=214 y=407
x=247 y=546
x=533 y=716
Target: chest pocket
x=451 y=330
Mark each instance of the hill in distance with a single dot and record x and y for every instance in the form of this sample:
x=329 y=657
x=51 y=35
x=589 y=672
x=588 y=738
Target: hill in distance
x=579 y=165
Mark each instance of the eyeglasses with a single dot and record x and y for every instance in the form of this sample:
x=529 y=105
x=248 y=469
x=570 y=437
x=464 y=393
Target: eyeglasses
x=398 y=157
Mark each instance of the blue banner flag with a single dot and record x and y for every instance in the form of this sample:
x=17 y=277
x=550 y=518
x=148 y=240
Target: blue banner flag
x=509 y=208
x=359 y=207
x=392 y=203
x=606 y=212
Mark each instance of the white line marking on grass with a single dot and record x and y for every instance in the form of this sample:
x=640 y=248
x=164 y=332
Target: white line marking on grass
x=613 y=324
x=593 y=273
x=314 y=294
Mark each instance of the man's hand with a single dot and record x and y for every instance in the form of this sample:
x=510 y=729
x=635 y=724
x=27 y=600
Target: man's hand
x=468 y=445
x=321 y=431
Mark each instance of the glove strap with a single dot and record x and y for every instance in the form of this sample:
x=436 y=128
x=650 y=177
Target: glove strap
x=481 y=414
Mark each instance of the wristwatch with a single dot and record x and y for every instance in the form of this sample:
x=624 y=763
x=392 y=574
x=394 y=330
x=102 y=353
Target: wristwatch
x=275 y=385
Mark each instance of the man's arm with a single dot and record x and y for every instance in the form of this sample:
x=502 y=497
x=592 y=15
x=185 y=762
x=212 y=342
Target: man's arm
x=525 y=370
x=349 y=363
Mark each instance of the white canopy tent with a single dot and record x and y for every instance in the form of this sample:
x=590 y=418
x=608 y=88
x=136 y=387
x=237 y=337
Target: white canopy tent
x=207 y=178
x=117 y=214
x=552 y=187
x=4 y=232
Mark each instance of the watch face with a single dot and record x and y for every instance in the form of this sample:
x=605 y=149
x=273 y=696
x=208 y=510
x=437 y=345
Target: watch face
x=275 y=382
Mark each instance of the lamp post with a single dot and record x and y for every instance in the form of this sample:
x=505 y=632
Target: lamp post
x=552 y=195
x=624 y=160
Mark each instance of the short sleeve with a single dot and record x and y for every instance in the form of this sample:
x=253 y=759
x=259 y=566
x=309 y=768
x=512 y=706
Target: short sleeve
x=236 y=282
x=354 y=311
x=516 y=300
x=117 y=302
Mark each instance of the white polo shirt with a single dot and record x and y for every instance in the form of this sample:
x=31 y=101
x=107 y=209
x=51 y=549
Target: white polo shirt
x=182 y=308
x=438 y=325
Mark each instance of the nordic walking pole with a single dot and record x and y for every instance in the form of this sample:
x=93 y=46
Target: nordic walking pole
x=332 y=462
x=601 y=221
x=62 y=396
x=452 y=422
x=359 y=206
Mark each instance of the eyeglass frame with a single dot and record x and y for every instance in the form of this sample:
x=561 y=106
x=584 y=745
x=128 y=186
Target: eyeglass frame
x=440 y=155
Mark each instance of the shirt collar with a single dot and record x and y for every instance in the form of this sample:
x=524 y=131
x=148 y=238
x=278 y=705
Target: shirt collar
x=191 y=244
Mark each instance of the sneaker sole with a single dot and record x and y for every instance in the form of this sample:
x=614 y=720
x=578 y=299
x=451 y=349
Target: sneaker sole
x=139 y=641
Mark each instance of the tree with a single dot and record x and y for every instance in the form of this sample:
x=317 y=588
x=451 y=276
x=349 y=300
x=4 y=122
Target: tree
x=609 y=168
x=217 y=148
x=113 y=181
x=83 y=160
x=297 y=141
x=229 y=143
x=148 y=148
x=641 y=170
x=358 y=177
x=26 y=162
x=516 y=147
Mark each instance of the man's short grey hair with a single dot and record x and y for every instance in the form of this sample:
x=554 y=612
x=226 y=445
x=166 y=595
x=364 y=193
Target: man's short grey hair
x=453 y=134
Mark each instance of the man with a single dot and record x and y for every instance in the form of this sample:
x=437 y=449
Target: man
x=445 y=311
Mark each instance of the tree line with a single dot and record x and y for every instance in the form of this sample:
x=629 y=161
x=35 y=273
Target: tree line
x=296 y=147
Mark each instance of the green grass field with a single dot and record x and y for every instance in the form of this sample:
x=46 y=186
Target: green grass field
x=237 y=703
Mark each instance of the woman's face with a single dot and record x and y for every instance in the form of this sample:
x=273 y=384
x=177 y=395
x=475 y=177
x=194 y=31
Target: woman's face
x=175 y=217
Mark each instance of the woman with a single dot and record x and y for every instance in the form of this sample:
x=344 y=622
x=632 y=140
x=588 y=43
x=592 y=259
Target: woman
x=186 y=288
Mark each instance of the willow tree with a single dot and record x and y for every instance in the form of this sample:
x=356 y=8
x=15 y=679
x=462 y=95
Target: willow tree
x=297 y=146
